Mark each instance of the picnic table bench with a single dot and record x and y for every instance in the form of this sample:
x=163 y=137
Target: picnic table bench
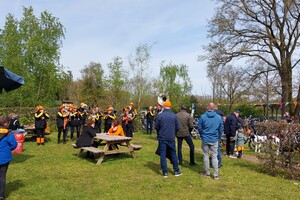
x=112 y=146
x=31 y=134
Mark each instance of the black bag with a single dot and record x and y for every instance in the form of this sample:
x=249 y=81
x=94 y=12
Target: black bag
x=168 y=154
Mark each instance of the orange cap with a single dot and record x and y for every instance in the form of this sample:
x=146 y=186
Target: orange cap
x=167 y=103
x=110 y=108
x=40 y=108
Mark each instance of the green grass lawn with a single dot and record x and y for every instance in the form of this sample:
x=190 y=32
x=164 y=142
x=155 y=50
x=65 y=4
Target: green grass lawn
x=54 y=171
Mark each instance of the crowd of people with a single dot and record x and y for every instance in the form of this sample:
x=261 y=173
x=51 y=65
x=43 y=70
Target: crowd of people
x=168 y=125
x=72 y=119
x=211 y=125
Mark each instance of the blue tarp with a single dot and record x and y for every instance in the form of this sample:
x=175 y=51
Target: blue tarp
x=9 y=81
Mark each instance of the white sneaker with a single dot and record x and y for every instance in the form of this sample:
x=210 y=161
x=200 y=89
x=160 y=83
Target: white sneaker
x=232 y=156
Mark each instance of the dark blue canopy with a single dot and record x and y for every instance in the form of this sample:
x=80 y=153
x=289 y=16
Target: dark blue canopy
x=9 y=81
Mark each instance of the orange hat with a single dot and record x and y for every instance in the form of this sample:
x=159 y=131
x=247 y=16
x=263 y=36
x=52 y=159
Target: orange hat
x=61 y=107
x=167 y=103
x=40 y=108
x=110 y=108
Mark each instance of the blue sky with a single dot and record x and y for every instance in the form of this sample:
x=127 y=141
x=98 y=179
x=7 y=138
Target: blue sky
x=99 y=30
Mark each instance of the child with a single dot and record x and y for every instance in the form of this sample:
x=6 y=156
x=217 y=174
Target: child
x=7 y=144
x=14 y=124
x=240 y=141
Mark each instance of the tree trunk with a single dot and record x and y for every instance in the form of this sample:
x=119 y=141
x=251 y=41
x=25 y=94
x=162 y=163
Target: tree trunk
x=286 y=80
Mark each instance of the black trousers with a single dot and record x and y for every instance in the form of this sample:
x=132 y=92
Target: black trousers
x=77 y=131
x=129 y=130
x=189 y=141
x=230 y=144
x=63 y=131
x=40 y=132
x=3 y=170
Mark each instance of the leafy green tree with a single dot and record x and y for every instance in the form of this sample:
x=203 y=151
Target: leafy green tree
x=93 y=90
x=117 y=83
x=175 y=82
x=31 y=48
x=41 y=47
x=11 y=57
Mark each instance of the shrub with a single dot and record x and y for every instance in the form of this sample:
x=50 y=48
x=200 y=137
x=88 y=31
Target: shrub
x=281 y=158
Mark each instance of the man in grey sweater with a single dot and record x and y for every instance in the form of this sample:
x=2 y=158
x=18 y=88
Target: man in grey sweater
x=186 y=125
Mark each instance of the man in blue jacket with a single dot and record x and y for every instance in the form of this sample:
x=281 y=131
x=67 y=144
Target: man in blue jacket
x=210 y=127
x=7 y=144
x=166 y=125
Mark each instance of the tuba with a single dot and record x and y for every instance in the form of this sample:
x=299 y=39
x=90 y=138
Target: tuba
x=162 y=98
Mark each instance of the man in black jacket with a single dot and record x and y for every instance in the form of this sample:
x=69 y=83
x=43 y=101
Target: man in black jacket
x=230 y=127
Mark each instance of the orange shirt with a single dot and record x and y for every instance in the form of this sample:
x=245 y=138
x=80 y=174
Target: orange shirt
x=119 y=131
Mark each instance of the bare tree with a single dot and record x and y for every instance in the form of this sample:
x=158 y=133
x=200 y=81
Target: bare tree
x=264 y=29
x=234 y=84
x=140 y=71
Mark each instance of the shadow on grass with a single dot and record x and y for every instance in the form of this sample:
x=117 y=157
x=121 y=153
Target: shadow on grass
x=194 y=168
x=107 y=158
x=13 y=186
x=251 y=166
x=155 y=167
x=19 y=158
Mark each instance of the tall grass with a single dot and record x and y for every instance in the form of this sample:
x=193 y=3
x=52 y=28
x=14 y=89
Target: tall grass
x=55 y=172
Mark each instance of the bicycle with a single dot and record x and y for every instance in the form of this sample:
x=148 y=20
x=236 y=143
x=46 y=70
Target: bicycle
x=194 y=132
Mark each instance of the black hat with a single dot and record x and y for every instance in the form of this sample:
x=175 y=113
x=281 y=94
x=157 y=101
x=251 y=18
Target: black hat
x=237 y=111
x=183 y=107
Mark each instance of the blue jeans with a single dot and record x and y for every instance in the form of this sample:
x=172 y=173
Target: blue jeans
x=219 y=155
x=149 y=126
x=213 y=149
x=189 y=141
x=165 y=145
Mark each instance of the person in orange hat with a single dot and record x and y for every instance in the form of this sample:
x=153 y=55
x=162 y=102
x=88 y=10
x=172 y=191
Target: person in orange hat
x=96 y=118
x=108 y=118
x=100 y=114
x=83 y=111
x=132 y=110
x=133 y=113
x=75 y=122
x=62 y=119
x=127 y=122
x=166 y=125
x=40 y=124
x=150 y=119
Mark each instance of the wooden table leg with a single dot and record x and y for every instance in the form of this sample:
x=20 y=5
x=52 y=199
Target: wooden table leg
x=100 y=160
x=81 y=150
x=131 y=148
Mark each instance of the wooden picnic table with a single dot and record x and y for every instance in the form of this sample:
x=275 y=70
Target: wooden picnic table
x=29 y=127
x=113 y=145
x=31 y=134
